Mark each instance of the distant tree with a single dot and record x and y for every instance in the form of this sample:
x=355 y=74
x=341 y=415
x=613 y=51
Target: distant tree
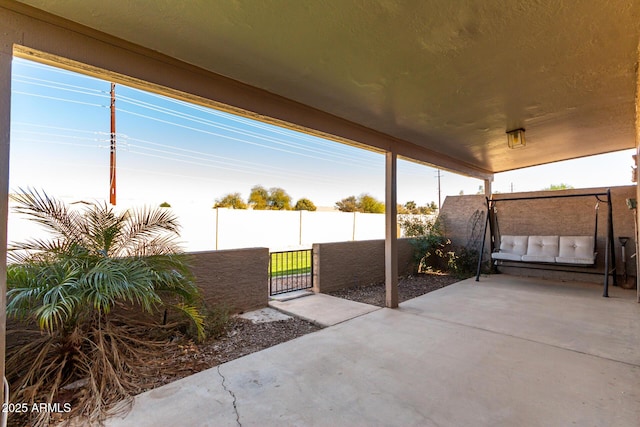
x=259 y=198
x=305 y=205
x=410 y=207
x=364 y=203
x=348 y=204
x=427 y=209
x=554 y=187
x=231 y=200
x=370 y=204
x=165 y=205
x=278 y=200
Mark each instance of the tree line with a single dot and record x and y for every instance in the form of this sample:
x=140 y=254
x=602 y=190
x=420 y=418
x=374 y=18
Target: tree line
x=277 y=198
x=261 y=198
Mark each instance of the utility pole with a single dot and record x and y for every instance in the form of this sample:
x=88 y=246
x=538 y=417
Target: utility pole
x=439 y=202
x=112 y=151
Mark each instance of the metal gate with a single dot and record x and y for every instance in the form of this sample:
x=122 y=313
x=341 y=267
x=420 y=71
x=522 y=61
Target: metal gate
x=290 y=271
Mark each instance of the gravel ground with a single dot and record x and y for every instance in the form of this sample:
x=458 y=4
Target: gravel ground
x=408 y=288
x=184 y=357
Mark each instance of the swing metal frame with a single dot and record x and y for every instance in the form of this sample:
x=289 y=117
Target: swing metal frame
x=491 y=224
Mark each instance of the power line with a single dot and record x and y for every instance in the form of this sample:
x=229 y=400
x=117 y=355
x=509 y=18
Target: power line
x=57 y=98
x=13 y=124
x=143 y=104
x=209 y=160
x=125 y=138
x=210 y=123
x=260 y=125
x=50 y=69
x=296 y=142
x=83 y=92
x=207 y=110
x=16 y=133
x=439 y=191
x=42 y=141
x=231 y=137
x=210 y=111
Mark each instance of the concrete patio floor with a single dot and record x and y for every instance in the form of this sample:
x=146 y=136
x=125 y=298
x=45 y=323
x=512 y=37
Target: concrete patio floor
x=506 y=351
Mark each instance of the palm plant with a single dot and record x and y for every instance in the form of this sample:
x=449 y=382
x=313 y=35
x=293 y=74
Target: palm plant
x=97 y=260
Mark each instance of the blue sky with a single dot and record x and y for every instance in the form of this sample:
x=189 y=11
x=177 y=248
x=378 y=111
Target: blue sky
x=172 y=151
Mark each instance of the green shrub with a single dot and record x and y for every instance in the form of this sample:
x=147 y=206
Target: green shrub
x=428 y=240
x=462 y=262
x=216 y=320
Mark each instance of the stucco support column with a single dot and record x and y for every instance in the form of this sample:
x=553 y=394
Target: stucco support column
x=391 y=230
x=637 y=258
x=487 y=187
x=5 y=120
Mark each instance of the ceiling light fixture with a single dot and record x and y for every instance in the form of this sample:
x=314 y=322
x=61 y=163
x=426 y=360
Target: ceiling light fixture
x=515 y=138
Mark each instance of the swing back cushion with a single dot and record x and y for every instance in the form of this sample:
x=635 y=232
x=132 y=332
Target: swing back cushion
x=576 y=250
x=547 y=249
x=512 y=248
x=541 y=249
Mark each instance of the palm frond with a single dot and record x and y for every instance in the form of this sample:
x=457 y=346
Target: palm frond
x=102 y=228
x=159 y=245
x=45 y=291
x=119 y=279
x=53 y=246
x=193 y=314
x=146 y=225
x=51 y=213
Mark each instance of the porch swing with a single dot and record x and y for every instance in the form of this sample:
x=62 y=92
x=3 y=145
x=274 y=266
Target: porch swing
x=549 y=252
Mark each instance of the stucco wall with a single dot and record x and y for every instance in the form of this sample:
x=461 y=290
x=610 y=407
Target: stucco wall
x=236 y=278
x=206 y=229
x=564 y=216
x=345 y=264
x=458 y=213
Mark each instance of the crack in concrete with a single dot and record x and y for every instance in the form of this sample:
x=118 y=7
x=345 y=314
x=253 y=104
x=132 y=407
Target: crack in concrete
x=235 y=407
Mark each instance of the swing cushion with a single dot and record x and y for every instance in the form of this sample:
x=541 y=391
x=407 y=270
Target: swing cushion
x=541 y=249
x=576 y=250
x=511 y=248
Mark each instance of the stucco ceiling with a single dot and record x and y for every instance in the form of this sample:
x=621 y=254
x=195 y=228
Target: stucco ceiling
x=451 y=76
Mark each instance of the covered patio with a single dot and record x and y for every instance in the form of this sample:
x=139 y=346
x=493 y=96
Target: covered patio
x=437 y=83
x=506 y=351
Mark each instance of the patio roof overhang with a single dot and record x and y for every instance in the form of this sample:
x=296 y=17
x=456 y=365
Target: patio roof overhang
x=439 y=82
